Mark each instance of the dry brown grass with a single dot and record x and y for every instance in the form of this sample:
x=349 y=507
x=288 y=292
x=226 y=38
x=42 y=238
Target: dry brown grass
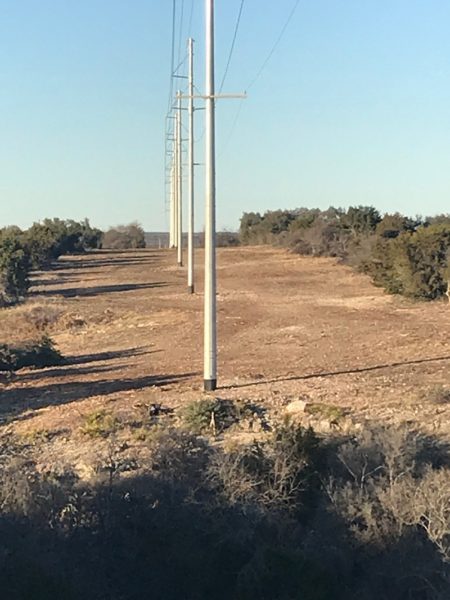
x=29 y=320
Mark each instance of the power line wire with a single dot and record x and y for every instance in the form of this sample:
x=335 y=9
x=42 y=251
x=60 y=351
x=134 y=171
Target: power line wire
x=230 y=55
x=259 y=72
x=169 y=104
x=172 y=60
x=232 y=128
x=190 y=17
x=275 y=46
x=236 y=29
x=180 y=37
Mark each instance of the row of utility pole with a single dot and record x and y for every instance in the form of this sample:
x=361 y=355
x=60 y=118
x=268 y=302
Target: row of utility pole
x=176 y=193
x=176 y=176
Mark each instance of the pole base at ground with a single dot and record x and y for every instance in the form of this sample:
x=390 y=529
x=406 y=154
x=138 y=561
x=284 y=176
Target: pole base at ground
x=180 y=264
x=210 y=385
x=190 y=289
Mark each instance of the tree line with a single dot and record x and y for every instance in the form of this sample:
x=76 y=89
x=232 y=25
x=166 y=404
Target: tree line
x=22 y=251
x=408 y=256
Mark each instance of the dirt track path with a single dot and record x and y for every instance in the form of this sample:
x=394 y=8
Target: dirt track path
x=289 y=327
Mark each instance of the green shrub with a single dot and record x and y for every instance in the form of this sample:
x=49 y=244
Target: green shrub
x=392 y=225
x=413 y=264
x=21 y=251
x=48 y=240
x=361 y=219
x=14 y=266
x=37 y=354
x=403 y=255
x=327 y=411
x=99 y=424
x=257 y=229
x=209 y=414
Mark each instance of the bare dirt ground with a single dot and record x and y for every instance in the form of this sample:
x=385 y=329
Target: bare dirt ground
x=289 y=328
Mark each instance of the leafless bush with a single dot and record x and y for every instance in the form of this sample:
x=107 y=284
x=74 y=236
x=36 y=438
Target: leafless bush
x=49 y=498
x=177 y=455
x=322 y=238
x=437 y=394
x=422 y=504
x=16 y=483
x=42 y=317
x=124 y=237
x=391 y=487
x=227 y=239
x=267 y=476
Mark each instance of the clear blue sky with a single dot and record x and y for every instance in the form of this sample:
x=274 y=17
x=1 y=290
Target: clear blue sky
x=353 y=108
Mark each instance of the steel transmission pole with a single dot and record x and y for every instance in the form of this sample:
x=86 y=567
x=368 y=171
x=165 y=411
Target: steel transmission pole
x=179 y=178
x=191 y=169
x=175 y=185
x=172 y=205
x=210 y=332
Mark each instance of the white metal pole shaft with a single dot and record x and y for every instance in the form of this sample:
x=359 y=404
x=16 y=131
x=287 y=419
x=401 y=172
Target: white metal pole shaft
x=191 y=170
x=172 y=207
x=179 y=184
x=210 y=332
x=175 y=187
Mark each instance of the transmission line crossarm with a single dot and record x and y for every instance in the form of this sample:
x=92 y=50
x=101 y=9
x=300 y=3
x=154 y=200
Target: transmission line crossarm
x=214 y=97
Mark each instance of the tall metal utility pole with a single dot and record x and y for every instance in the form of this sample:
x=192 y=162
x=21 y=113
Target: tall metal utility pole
x=179 y=178
x=210 y=332
x=191 y=169
x=172 y=205
x=175 y=186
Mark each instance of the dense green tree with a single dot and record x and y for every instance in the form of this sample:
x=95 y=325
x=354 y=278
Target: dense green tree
x=361 y=219
x=35 y=248
x=277 y=221
x=14 y=265
x=249 y=222
x=255 y=228
x=413 y=264
x=304 y=218
x=391 y=225
x=52 y=238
